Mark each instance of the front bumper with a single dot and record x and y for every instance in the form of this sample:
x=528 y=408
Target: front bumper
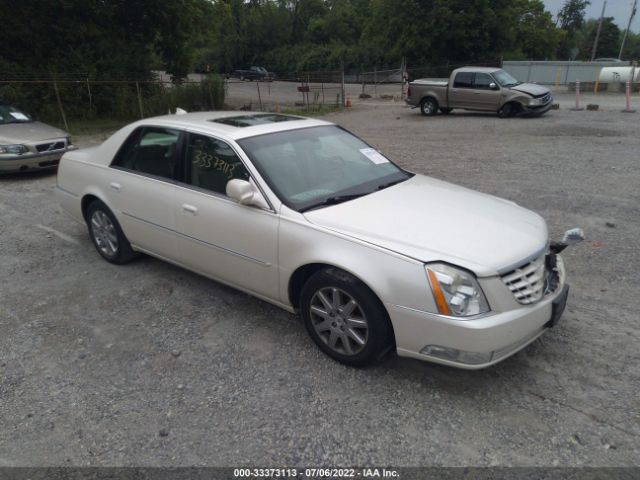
x=480 y=342
x=32 y=161
x=537 y=110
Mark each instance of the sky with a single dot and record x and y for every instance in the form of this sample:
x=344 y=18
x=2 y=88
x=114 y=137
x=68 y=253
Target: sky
x=618 y=9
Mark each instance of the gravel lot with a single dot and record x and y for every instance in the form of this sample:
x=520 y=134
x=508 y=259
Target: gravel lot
x=148 y=364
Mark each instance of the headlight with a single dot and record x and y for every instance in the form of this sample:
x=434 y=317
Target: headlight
x=535 y=101
x=13 y=149
x=456 y=291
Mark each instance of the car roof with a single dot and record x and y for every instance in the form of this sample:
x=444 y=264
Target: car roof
x=479 y=69
x=235 y=124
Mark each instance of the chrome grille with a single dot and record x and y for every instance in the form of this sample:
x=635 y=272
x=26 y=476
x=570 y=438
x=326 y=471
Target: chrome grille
x=527 y=282
x=49 y=147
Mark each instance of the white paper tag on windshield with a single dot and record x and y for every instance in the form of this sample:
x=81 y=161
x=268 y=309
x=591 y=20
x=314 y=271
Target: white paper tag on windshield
x=19 y=116
x=373 y=155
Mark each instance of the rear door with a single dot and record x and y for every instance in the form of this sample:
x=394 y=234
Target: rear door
x=461 y=91
x=237 y=244
x=142 y=188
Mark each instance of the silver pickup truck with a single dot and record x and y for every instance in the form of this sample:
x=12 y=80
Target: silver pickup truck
x=479 y=88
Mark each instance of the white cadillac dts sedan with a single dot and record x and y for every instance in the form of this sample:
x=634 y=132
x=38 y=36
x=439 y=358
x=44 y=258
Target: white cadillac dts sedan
x=303 y=214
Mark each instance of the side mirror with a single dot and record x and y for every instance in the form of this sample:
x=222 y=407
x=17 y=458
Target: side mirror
x=573 y=236
x=245 y=193
x=493 y=86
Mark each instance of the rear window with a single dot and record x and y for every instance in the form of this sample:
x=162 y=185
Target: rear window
x=463 y=80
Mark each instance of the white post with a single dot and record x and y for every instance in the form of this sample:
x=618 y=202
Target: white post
x=627 y=94
x=577 y=108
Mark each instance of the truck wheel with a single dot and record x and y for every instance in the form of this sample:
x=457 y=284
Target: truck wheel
x=508 y=110
x=446 y=111
x=429 y=106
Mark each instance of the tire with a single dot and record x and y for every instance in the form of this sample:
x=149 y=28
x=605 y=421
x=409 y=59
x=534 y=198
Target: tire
x=106 y=234
x=508 y=110
x=344 y=318
x=446 y=111
x=429 y=106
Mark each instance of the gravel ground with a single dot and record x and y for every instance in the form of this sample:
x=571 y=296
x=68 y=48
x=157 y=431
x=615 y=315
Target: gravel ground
x=149 y=364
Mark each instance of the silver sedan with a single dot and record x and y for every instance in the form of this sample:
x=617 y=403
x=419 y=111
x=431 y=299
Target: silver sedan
x=27 y=145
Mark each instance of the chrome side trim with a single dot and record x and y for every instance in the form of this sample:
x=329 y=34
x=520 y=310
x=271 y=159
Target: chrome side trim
x=202 y=242
x=447 y=317
x=58 y=187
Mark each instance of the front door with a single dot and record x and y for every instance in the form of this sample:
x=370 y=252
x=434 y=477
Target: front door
x=218 y=237
x=486 y=97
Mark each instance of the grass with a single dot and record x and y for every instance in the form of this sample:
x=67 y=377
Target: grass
x=313 y=111
x=92 y=127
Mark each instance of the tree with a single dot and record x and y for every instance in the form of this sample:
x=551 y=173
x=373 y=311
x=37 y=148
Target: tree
x=570 y=19
x=608 y=42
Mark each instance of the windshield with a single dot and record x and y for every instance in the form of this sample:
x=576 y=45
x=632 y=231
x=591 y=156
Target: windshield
x=504 y=79
x=9 y=114
x=313 y=167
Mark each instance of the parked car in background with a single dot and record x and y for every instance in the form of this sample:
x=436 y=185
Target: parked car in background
x=305 y=215
x=254 y=73
x=482 y=89
x=29 y=145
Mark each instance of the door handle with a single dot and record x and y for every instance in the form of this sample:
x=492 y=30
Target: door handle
x=116 y=186
x=189 y=209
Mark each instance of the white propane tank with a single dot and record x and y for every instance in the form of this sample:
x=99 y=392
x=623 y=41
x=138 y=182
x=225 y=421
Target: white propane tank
x=619 y=74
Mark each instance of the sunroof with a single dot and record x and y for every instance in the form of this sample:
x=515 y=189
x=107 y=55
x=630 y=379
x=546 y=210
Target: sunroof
x=257 y=119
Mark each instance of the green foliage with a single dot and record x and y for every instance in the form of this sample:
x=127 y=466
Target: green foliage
x=127 y=39
x=112 y=100
x=571 y=23
x=609 y=40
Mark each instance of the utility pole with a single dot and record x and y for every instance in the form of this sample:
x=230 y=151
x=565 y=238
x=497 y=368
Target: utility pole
x=626 y=32
x=595 y=44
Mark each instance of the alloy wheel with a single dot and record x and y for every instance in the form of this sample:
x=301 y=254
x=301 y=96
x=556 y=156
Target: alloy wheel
x=104 y=233
x=339 y=321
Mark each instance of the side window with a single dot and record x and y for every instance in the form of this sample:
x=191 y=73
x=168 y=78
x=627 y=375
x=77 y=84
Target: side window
x=482 y=81
x=150 y=150
x=212 y=163
x=463 y=80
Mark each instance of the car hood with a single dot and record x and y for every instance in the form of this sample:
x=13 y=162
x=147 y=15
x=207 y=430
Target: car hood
x=431 y=220
x=29 y=132
x=531 y=88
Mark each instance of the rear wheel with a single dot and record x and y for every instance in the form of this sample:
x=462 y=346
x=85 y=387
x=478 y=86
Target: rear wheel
x=106 y=234
x=344 y=318
x=429 y=106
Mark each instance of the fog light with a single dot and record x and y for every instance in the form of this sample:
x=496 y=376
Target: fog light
x=453 y=355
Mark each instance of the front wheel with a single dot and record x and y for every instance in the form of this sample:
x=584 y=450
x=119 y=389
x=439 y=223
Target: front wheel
x=509 y=110
x=106 y=234
x=344 y=318
x=429 y=106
